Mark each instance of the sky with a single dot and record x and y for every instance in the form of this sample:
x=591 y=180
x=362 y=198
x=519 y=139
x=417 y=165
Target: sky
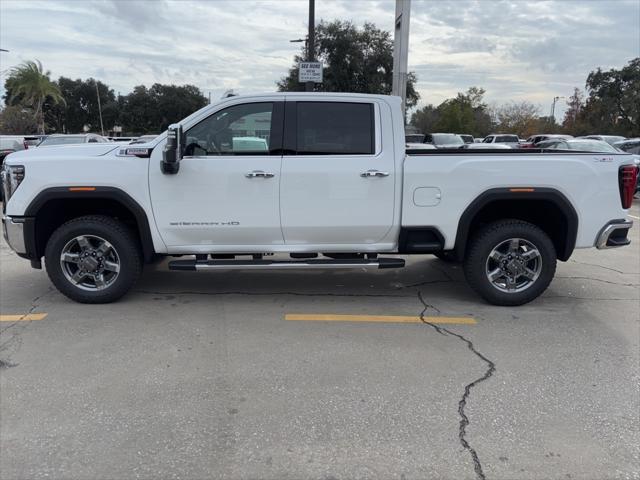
x=515 y=49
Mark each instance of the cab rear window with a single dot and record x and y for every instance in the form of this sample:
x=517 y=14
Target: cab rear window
x=329 y=128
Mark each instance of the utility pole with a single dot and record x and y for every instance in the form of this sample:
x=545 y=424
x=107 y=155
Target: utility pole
x=311 y=40
x=401 y=51
x=553 y=108
x=99 y=108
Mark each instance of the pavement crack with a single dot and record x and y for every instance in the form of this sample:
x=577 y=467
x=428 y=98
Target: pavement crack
x=601 y=280
x=426 y=282
x=491 y=368
x=15 y=341
x=603 y=267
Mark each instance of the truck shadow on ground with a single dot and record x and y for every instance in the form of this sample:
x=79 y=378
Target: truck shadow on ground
x=443 y=279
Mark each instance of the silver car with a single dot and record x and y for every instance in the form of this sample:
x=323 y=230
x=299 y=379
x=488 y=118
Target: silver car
x=579 y=144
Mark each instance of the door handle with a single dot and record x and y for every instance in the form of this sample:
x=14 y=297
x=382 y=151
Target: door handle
x=259 y=174
x=374 y=173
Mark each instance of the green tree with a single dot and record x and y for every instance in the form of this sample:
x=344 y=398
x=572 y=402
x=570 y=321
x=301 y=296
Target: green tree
x=572 y=123
x=358 y=60
x=30 y=85
x=456 y=115
x=152 y=110
x=613 y=102
x=425 y=119
x=16 y=120
x=466 y=113
x=520 y=118
x=81 y=106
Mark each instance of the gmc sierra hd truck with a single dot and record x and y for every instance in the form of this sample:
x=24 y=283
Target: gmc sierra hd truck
x=324 y=179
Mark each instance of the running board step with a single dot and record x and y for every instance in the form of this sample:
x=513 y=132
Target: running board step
x=195 y=265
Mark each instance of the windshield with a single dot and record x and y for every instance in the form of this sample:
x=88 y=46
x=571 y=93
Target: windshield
x=613 y=139
x=506 y=139
x=593 y=146
x=67 y=140
x=447 y=139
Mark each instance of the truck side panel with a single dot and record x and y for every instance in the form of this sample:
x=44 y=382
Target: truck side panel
x=439 y=187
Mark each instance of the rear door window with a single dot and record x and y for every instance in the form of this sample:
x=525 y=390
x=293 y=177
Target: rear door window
x=330 y=128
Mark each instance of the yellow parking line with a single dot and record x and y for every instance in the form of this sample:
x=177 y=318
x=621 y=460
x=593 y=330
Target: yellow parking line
x=20 y=318
x=304 y=317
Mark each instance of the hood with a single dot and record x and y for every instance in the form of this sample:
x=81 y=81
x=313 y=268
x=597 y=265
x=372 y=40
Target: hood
x=64 y=151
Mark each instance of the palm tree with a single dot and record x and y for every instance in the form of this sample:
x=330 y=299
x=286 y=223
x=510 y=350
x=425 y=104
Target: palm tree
x=32 y=84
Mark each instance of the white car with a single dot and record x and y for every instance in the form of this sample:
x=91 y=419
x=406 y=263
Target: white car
x=486 y=146
x=511 y=140
x=420 y=146
x=64 y=139
x=335 y=189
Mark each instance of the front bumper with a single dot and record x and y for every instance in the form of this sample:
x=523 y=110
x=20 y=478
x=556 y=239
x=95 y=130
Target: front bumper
x=614 y=234
x=13 y=232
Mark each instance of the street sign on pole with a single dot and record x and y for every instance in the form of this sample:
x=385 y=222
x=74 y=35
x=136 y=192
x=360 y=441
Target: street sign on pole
x=310 y=72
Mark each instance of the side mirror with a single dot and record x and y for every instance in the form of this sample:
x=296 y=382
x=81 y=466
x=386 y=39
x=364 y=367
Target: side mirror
x=172 y=152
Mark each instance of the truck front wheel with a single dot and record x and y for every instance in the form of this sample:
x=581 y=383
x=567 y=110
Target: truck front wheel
x=93 y=259
x=510 y=262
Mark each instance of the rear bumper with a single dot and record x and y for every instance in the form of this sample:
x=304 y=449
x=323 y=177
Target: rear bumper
x=614 y=234
x=13 y=232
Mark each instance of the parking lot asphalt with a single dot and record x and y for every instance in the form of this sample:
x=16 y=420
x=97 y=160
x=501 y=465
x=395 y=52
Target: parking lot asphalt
x=227 y=375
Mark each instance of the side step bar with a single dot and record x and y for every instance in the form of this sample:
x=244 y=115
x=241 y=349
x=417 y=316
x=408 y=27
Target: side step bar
x=195 y=265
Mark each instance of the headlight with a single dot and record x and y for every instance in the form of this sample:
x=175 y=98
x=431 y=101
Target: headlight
x=12 y=176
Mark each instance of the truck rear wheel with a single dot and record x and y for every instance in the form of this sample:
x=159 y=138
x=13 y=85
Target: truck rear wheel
x=510 y=262
x=93 y=259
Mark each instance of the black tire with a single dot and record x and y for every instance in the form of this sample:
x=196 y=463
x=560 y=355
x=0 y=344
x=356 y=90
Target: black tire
x=448 y=257
x=482 y=244
x=122 y=242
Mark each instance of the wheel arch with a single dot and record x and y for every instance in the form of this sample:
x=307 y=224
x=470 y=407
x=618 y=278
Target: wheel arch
x=547 y=208
x=54 y=206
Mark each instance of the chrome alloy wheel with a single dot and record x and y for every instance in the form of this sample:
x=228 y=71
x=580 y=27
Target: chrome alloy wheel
x=513 y=265
x=90 y=262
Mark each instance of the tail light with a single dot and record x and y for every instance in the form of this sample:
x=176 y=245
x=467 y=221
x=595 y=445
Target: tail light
x=627 y=178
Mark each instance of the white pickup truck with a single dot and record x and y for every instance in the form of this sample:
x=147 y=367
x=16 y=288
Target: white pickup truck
x=324 y=178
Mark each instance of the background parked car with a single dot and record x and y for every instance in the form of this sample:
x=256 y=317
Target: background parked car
x=33 y=140
x=10 y=144
x=122 y=139
x=512 y=140
x=444 y=140
x=532 y=141
x=60 y=139
x=580 y=144
x=466 y=138
x=610 y=139
x=17 y=138
x=148 y=138
x=419 y=146
x=414 y=138
x=630 y=145
x=486 y=146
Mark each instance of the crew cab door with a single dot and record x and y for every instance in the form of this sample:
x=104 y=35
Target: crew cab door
x=226 y=192
x=337 y=185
